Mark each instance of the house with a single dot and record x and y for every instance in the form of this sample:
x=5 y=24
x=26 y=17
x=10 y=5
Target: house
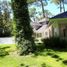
x=54 y=27
x=59 y=25
x=39 y=28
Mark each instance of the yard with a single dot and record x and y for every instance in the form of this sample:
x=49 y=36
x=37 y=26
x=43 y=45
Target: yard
x=46 y=58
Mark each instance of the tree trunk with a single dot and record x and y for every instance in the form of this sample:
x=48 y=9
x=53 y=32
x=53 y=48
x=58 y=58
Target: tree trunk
x=23 y=28
x=60 y=6
x=42 y=8
x=63 y=6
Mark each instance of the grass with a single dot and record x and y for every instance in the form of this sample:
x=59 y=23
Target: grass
x=43 y=59
x=8 y=47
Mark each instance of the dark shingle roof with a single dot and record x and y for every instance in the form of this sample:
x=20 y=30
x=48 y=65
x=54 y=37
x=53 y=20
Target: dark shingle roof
x=61 y=15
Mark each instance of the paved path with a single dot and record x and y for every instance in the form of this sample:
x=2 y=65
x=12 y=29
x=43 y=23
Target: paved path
x=7 y=40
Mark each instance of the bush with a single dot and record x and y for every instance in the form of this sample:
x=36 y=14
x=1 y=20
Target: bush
x=55 y=42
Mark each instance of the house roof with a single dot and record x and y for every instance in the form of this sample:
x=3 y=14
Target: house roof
x=61 y=15
x=35 y=25
x=41 y=29
x=39 y=24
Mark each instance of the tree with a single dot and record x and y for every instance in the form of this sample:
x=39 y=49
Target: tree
x=61 y=3
x=30 y=1
x=24 y=31
x=42 y=8
x=32 y=12
x=5 y=22
x=1 y=22
x=42 y=4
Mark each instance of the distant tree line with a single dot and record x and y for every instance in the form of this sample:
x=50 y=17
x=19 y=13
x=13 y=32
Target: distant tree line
x=5 y=21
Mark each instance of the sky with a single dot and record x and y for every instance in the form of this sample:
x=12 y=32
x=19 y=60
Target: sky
x=52 y=8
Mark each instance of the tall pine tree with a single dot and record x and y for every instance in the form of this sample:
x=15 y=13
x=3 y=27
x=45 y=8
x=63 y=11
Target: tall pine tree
x=24 y=31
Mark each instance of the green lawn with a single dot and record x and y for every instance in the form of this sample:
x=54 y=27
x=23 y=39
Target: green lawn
x=46 y=58
x=9 y=47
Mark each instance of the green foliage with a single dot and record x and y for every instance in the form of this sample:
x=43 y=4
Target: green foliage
x=31 y=1
x=56 y=1
x=14 y=28
x=5 y=21
x=5 y=25
x=42 y=4
x=23 y=29
x=32 y=12
x=55 y=42
x=60 y=3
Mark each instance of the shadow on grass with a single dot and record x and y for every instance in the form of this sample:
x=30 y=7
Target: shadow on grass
x=23 y=65
x=54 y=44
x=43 y=65
x=6 y=47
x=43 y=51
x=64 y=62
x=59 y=49
x=3 y=52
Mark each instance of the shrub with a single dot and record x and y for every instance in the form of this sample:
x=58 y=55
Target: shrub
x=55 y=42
